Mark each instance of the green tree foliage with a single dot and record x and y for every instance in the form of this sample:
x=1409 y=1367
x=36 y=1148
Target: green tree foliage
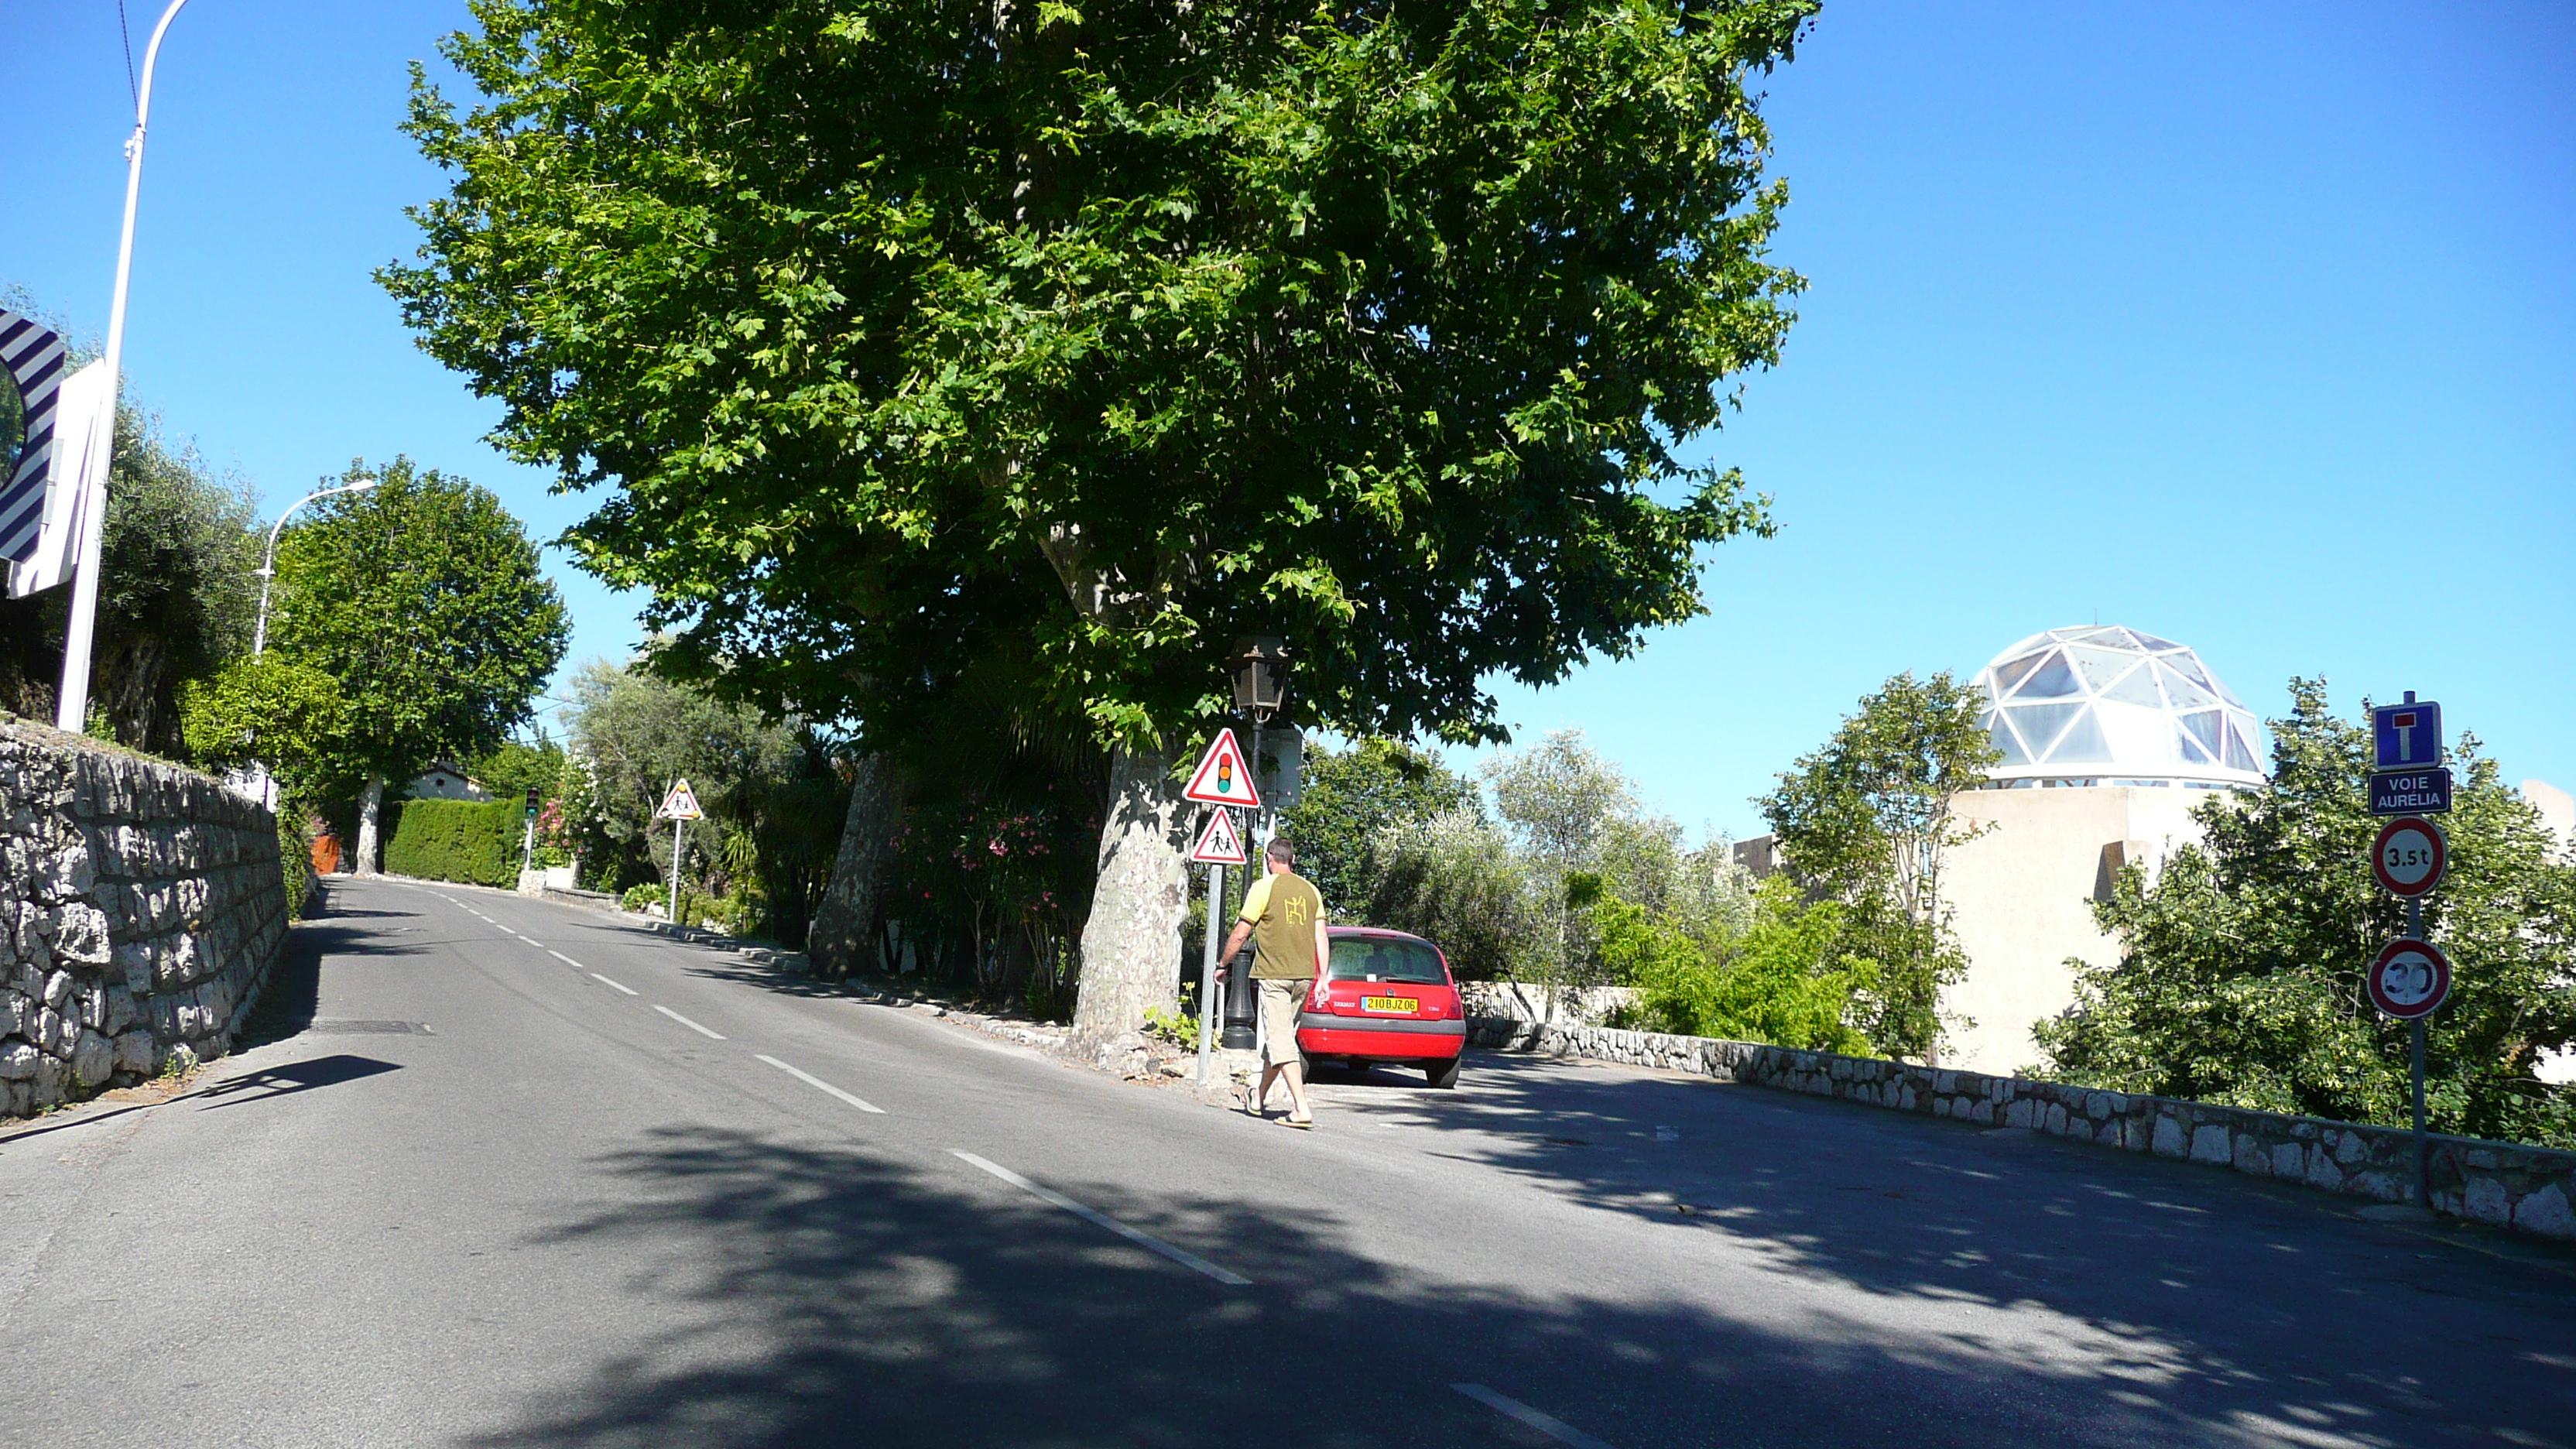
x=176 y=598
x=1125 y=330
x=517 y=766
x=1786 y=978
x=1378 y=330
x=1575 y=823
x=1867 y=821
x=1353 y=804
x=423 y=598
x=273 y=710
x=1455 y=879
x=1516 y=900
x=2240 y=978
x=770 y=795
x=472 y=841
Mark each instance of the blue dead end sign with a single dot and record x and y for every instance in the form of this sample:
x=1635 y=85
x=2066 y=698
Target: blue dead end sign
x=2407 y=736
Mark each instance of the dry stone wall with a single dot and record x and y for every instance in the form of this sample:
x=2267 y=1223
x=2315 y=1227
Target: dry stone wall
x=2531 y=1189
x=141 y=908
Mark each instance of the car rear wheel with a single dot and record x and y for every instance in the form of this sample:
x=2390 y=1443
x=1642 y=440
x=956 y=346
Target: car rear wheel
x=1442 y=1074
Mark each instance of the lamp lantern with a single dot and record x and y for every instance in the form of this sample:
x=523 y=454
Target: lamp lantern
x=1260 y=674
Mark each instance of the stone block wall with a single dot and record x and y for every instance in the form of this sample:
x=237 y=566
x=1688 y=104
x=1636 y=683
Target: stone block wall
x=2531 y=1189
x=141 y=909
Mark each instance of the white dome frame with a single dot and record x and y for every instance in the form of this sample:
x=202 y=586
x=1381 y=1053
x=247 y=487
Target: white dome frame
x=2109 y=705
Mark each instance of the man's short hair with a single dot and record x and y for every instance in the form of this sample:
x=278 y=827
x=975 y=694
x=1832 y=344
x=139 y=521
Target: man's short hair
x=1281 y=851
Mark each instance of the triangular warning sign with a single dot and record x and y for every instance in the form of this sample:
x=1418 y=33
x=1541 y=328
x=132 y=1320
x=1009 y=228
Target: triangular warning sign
x=1219 y=843
x=680 y=804
x=1221 y=778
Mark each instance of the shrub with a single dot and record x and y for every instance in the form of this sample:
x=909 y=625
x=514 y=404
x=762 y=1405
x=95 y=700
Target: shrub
x=1784 y=981
x=460 y=840
x=642 y=898
x=294 y=857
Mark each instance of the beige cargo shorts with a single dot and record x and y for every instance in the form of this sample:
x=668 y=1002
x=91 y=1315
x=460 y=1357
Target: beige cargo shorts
x=1281 y=1001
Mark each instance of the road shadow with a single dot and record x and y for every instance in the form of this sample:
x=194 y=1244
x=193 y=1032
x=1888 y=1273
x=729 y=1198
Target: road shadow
x=2268 y=1297
x=846 y=1298
x=281 y=1081
x=866 y=1303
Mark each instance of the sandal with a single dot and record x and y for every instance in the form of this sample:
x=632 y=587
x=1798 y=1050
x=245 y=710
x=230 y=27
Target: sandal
x=1302 y=1124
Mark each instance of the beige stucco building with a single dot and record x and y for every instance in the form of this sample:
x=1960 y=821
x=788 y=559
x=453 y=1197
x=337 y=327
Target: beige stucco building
x=2020 y=898
x=2110 y=738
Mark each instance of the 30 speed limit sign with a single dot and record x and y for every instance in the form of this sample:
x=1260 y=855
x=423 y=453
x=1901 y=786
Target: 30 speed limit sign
x=2409 y=856
x=2409 y=978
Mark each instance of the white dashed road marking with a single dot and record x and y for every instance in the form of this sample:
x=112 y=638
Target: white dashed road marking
x=1554 y=1428
x=567 y=960
x=821 y=1085
x=604 y=981
x=684 y=1021
x=1141 y=1239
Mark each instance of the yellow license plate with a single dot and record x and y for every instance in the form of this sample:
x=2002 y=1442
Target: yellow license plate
x=1404 y=1004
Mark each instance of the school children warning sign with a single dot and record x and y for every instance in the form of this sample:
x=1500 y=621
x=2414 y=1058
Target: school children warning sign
x=1222 y=778
x=680 y=804
x=1219 y=842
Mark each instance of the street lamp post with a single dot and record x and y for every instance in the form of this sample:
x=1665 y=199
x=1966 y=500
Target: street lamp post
x=268 y=561
x=71 y=708
x=267 y=576
x=1260 y=670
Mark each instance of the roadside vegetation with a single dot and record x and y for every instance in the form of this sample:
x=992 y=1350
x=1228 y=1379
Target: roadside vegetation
x=2240 y=978
x=1548 y=872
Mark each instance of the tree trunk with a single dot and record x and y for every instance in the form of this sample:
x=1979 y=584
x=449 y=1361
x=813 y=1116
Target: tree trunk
x=844 y=932
x=1131 y=945
x=371 y=800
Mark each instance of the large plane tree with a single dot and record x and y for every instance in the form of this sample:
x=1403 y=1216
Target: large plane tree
x=1374 y=326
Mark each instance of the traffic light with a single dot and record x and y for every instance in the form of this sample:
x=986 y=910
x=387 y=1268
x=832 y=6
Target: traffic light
x=532 y=802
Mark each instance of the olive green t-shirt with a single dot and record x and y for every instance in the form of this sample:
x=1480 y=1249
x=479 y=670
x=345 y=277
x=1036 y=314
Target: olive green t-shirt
x=1283 y=910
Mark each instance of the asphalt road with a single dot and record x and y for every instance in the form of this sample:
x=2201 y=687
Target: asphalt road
x=515 y=1174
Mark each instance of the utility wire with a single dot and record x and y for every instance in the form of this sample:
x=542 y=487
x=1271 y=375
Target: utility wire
x=126 y=32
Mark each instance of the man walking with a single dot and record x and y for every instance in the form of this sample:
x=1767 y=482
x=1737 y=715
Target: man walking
x=1284 y=916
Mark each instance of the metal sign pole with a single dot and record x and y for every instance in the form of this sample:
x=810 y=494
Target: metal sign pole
x=679 y=828
x=1207 y=970
x=2423 y=1163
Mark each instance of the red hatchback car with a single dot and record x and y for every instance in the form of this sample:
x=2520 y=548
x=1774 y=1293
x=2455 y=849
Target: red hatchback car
x=1386 y=997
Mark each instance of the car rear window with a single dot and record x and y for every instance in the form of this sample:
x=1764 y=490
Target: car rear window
x=1362 y=958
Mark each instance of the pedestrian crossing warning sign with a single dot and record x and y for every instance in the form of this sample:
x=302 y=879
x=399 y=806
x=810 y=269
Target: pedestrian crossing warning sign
x=1219 y=843
x=680 y=804
x=1221 y=778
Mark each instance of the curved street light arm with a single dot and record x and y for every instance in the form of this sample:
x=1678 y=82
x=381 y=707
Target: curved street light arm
x=268 y=561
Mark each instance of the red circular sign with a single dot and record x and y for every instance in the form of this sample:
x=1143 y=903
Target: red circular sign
x=2410 y=855
x=2409 y=978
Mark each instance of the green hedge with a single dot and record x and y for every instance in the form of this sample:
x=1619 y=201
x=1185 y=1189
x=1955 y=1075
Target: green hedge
x=458 y=840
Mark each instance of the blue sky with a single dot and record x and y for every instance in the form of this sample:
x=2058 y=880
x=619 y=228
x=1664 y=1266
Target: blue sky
x=2250 y=326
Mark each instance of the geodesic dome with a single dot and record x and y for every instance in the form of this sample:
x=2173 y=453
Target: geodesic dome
x=2113 y=706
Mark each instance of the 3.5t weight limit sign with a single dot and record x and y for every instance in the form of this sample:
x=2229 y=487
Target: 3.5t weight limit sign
x=2409 y=856
x=2409 y=979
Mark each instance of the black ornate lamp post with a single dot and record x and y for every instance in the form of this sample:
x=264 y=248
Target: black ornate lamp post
x=1260 y=670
